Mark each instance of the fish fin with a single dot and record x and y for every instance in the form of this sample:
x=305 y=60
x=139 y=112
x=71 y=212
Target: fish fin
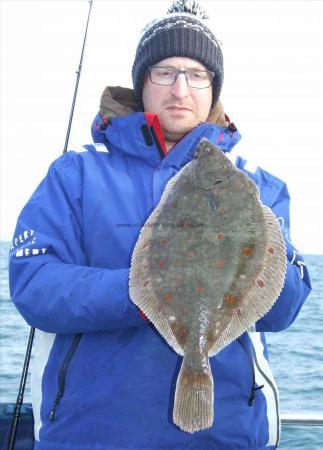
x=194 y=399
x=141 y=290
x=265 y=289
x=140 y=283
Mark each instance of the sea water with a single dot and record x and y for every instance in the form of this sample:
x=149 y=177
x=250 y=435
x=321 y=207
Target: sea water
x=296 y=356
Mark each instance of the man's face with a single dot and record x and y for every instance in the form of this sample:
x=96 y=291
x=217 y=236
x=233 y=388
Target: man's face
x=179 y=107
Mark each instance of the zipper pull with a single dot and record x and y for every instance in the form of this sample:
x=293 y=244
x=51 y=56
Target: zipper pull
x=55 y=404
x=252 y=397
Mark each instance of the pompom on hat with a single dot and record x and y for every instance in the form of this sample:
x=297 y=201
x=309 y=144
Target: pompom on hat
x=181 y=32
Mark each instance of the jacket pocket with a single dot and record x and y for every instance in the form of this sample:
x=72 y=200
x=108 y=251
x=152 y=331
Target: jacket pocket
x=264 y=375
x=253 y=385
x=62 y=373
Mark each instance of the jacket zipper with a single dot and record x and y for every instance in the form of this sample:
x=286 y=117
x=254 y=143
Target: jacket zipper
x=254 y=388
x=62 y=373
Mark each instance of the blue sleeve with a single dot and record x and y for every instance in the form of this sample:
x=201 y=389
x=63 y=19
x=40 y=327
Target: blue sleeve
x=50 y=282
x=297 y=284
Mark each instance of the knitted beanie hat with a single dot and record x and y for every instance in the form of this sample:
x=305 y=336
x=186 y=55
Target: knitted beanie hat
x=181 y=32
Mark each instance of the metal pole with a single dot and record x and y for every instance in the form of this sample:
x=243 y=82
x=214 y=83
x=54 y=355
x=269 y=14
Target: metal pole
x=309 y=419
x=78 y=76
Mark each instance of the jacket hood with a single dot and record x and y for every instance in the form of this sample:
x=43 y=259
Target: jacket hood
x=118 y=102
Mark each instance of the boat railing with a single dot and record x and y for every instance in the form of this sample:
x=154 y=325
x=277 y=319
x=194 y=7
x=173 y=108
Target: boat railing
x=294 y=419
x=302 y=419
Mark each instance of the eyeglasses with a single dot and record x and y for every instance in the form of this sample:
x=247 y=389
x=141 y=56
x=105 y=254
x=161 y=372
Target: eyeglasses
x=167 y=76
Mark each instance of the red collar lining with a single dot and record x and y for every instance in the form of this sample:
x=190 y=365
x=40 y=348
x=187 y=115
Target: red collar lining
x=153 y=121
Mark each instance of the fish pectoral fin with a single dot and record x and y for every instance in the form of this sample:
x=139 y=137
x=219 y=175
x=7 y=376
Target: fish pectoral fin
x=194 y=397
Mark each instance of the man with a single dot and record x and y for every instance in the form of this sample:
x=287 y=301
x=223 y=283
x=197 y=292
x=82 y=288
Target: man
x=103 y=378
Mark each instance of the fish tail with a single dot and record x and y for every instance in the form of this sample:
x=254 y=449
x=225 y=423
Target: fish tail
x=193 y=408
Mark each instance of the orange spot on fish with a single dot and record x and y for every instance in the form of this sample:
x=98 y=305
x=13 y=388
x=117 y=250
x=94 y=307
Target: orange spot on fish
x=189 y=255
x=199 y=289
x=186 y=225
x=182 y=331
x=260 y=283
x=163 y=241
x=219 y=264
x=229 y=299
x=247 y=251
x=221 y=210
x=271 y=250
x=184 y=309
x=168 y=297
x=220 y=237
x=161 y=263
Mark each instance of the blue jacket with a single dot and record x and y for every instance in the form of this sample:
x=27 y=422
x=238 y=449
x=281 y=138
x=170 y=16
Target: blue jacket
x=103 y=378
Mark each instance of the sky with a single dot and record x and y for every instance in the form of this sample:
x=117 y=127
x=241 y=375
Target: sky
x=273 y=89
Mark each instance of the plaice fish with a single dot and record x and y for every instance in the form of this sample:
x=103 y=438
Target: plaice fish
x=209 y=262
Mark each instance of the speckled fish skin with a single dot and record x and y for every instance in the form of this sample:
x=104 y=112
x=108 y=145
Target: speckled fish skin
x=209 y=262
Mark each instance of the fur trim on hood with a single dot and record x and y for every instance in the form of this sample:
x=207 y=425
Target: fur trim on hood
x=118 y=101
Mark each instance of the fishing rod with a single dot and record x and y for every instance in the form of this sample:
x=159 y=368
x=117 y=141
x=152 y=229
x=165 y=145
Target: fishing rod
x=78 y=76
x=23 y=378
x=20 y=397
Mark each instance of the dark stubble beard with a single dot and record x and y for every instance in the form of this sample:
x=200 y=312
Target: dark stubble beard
x=172 y=137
